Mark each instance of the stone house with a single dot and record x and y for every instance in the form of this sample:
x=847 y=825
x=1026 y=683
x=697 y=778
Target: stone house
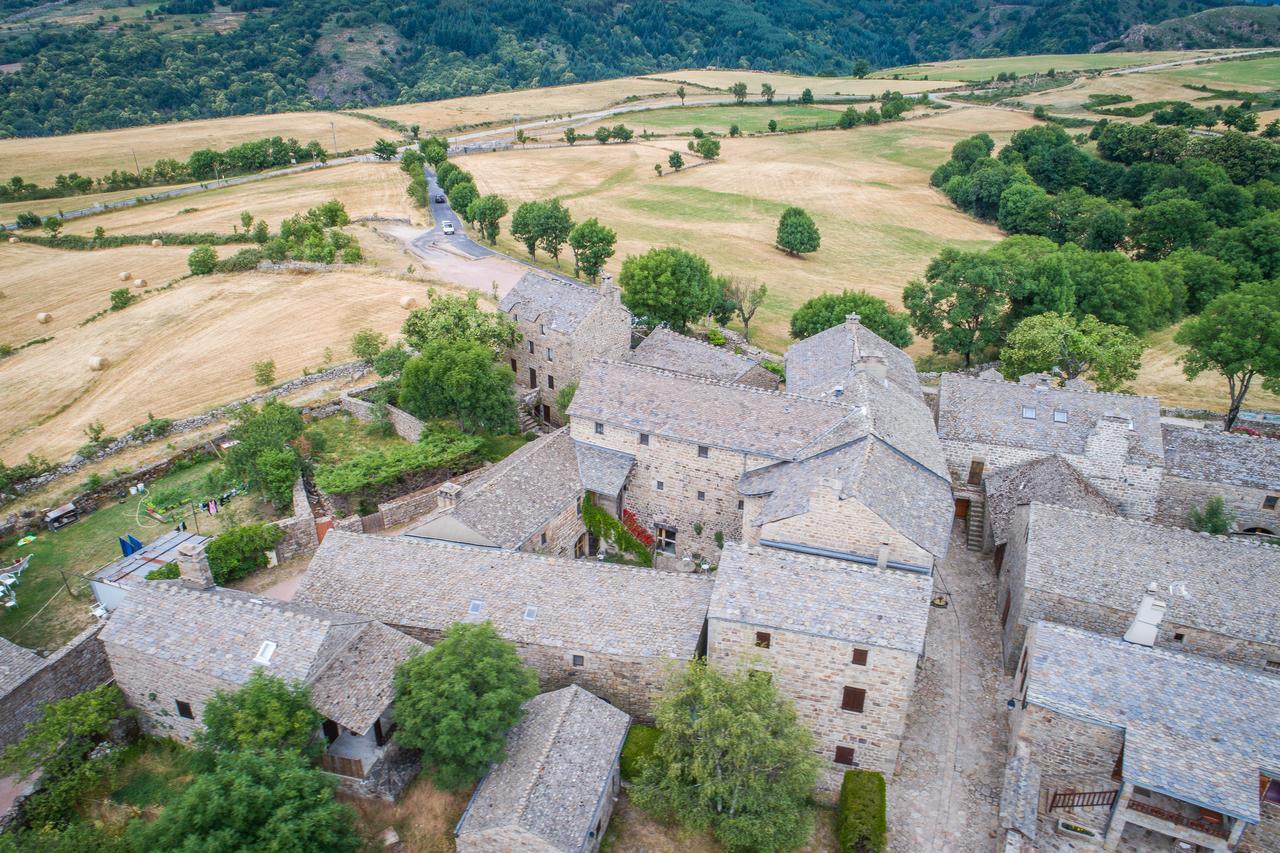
x=1200 y=464
x=818 y=365
x=554 y=791
x=611 y=629
x=668 y=350
x=29 y=681
x=527 y=502
x=1114 y=440
x=563 y=326
x=841 y=641
x=1047 y=480
x=172 y=644
x=1089 y=571
x=1125 y=746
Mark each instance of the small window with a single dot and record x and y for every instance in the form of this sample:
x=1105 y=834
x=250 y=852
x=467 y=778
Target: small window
x=644 y=439
x=530 y=347
x=475 y=608
x=665 y=540
x=579 y=660
x=551 y=382
x=543 y=539
x=599 y=428
x=1059 y=416
x=1272 y=794
x=660 y=485
x=703 y=451
x=1270 y=501
x=859 y=657
x=1273 y=664
x=763 y=639
x=530 y=612
x=740 y=504
x=844 y=755
x=702 y=496
x=551 y=355
x=264 y=653
x=1179 y=638
x=1029 y=412
x=854 y=699
x=542 y=328
x=184 y=710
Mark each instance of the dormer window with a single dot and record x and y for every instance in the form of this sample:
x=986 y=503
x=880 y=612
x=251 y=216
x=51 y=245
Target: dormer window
x=1059 y=416
x=1029 y=413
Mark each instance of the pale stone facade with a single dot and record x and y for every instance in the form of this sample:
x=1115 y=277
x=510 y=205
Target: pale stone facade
x=1201 y=464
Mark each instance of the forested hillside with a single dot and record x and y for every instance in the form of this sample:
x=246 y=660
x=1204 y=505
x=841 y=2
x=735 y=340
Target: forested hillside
x=177 y=62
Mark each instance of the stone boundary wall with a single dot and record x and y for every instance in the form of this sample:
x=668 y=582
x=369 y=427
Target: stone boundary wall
x=299 y=529
x=406 y=425
x=78 y=666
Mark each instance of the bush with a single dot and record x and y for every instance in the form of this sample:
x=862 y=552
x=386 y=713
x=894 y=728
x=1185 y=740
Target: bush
x=241 y=550
x=202 y=260
x=861 y=825
x=264 y=372
x=637 y=749
x=121 y=298
x=716 y=338
x=242 y=261
x=152 y=429
x=439 y=448
x=167 y=572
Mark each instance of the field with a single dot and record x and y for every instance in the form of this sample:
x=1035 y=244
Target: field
x=750 y=119
x=96 y=154
x=866 y=188
x=56 y=206
x=981 y=69
x=1263 y=72
x=1162 y=376
x=791 y=85
x=1153 y=86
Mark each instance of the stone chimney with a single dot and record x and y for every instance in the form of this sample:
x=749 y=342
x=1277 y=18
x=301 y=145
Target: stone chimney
x=882 y=556
x=448 y=495
x=875 y=366
x=608 y=289
x=1038 y=380
x=193 y=566
x=852 y=321
x=1146 y=623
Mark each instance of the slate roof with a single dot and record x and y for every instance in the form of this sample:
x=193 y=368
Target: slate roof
x=163 y=549
x=1020 y=795
x=516 y=497
x=560 y=304
x=602 y=470
x=818 y=364
x=17 y=664
x=358 y=684
x=670 y=350
x=1106 y=560
x=581 y=604
x=559 y=762
x=823 y=597
x=990 y=412
x=1050 y=480
x=1195 y=729
x=1221 y=457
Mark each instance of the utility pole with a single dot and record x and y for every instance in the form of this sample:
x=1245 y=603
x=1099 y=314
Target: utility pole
x=136 y=168
x=334 y=131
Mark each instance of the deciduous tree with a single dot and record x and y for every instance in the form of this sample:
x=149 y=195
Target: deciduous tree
x=1060 y=345
x=486 y=212
x=570 y=135
x=265 y=714
x=767 y=92
x=707 y=147
x=739 y=91
x=961 y=303
x=525 y=225
x=592 y=245
x=367 y=343
x=603 y=134
x=667 y=285
x=384 y=149
x=831 y=309
x=554 y=227
x=797 y=234
x=675 y=160
x=680 y=94
x=202 y=260
x=459 y=379
x=747 y=296
x=459 y=318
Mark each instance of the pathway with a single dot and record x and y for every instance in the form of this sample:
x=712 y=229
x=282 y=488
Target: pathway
x=945 y=795
x=1195 y=60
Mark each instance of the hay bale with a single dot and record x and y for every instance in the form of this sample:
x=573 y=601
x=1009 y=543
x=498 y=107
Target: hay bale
x=408 y=303
x=97 y=362
x=14 y=240
x=125 y=276
x=156 y=244
x=139 y=282
x=43 y=317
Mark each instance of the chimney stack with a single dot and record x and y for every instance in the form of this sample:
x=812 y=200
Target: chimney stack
x=1146 y=623
x=852 y=321
x=193 y=566
x=448 y=495
x=608 y=289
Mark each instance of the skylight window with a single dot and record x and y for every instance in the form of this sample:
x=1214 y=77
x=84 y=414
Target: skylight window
x=476 y=608
x=264 y=653
x=530 y=612
x=1059 y=416
x=1029 y=412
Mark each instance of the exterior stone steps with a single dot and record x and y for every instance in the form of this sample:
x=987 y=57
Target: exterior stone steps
x=974 y=524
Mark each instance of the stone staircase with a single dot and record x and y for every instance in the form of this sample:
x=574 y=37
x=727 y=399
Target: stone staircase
x=974 y=523
x=528 y=423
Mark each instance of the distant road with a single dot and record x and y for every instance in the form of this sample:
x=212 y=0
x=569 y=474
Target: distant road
x=1197 y=60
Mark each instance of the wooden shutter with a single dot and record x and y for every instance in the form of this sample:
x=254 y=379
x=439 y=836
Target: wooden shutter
x=854 y=699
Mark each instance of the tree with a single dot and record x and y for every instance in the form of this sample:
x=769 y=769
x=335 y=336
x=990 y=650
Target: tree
x=1160 y=228
x=732 y=758
x=1212 y=518
x=767 y=92
x=796 y=232
x=384 y=149
x=621 y=132
x=806 y=97
x=675 y=161
x=254 y=801
x=53 y=225
x=961 y=303
x=459 y=379
x=603 y=134
x=525 y=225
x=390 y=361
x=680 y=94
x=1237 y=335
x=564 y=399
x=278 y=470
x=461 y=195
x=739 y=91
x=246 y=220
x=861 y=68
x=1061 y=345
x=264 y=372
x=521 y=138
x=459 y=318
x=1247 y=122
x=708 y=148
x=367 y=343
x=261 y=233
x=414 y=130
x=747 y=296
x=486 y=212
x=265 y=714
x=570 y=135
x=241 y=550
x=202 y=260
x=667 y=285
x=773 y=125
x=592 y=245
x=64 y=732
x=457 y=701
x=831 y=309
x=1272 y=130
x=257 y=434
x=435 y=149
x=734 y=130
x=657 y=168
x=554 y=227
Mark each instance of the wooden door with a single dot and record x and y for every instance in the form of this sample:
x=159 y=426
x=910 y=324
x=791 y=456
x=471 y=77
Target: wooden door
x=962 y=507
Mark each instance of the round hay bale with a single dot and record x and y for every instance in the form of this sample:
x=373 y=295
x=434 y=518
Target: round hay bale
x=97 y=362
x=408 y=303
x=156 y=244
x=43 y=317
x=139 y=282
x=14 y=240
x=125 y=276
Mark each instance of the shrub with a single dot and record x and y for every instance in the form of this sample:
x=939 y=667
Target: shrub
x=121 y=298
x=390 y=361
x=861 y=825
x=167 y=572
x=773 y=367
x=202 y=260
x=264 y=372
x=242 y=261
x=637 y=749
x=438 y=448
x=241 y=550
x=716 y=338
x=366 y=344
x=1213 y=518
x=152 y=429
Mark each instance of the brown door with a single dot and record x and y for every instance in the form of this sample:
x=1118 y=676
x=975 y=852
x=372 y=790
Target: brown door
x=999 y=557
x=515 y=368
x=533 y=378
x=330 y=730
x=962 y=507
x=1004 y=613
x=975 y=471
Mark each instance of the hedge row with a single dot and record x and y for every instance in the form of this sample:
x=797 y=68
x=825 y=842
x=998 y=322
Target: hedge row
x=861 y=825
x=79 y=242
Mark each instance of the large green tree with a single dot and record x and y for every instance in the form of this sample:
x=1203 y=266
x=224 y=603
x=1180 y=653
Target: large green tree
x=459 y=379
x=266 y=714
x=457 y=701
x=732 y=758
x=459 y=318
x=1061 y=345
x=1238 y=336
x=525 y=225
x=961 y=303
x=668 y=285
x=592 y=245
x=554 y=227
x=486 y=212
x=831 y=309
x=263 y=441
x=797 y=234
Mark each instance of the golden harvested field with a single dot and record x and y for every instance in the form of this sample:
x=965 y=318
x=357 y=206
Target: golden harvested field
x=981 y=69
x=184 y=350
x=366 y=189
x=866 y=188
x=791 y=85
x=55 y=206
x=436 y=116
x=96 y=154
x=1162 y=376
x=1144 y=87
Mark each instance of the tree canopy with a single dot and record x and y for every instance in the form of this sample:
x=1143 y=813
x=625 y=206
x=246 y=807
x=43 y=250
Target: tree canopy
x=592 y=245
x=460 y=318
x=459 y=379
x=266 y=714
x=668 y=285
x=1060 y=345
x=961 y=302
x=831 y=309
x=796 y=232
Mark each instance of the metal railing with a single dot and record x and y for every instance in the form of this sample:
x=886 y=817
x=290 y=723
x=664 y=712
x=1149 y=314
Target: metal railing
x=1081 y=799
x=1217 y=830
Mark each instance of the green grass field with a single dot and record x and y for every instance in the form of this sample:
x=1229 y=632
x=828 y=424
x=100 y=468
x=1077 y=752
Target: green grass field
x=981 y=69
x=1263 y=71
x=718 y=119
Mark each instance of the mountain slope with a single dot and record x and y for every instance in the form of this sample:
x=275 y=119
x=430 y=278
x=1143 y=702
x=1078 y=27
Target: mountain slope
x=1232 y=26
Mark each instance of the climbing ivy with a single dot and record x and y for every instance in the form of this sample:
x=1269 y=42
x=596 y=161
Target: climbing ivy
x=604 y=526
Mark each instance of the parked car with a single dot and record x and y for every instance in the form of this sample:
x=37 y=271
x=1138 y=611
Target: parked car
x=446 y=227
x=439 y=198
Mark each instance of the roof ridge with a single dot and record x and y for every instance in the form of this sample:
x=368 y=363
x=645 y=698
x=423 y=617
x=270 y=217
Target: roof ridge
x=701 y=343
x=832 y=564
x=1011 y=383
x=706 y=380
x=1137 y=522
x=540 y=765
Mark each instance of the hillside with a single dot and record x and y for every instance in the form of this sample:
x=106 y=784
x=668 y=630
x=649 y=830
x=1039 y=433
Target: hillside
x=1234 y=26
x=97 y=64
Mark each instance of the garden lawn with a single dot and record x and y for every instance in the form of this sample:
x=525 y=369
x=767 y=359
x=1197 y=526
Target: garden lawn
x=346 y=438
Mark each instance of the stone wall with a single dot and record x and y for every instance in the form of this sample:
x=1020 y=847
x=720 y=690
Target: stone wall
x=562 y=534
x=501 y=839
x=1266 y=835
x=406 y=425
x=154 y=686
x=813 y=672
x=78 y=666
x=299 y=529
x=1178 y=496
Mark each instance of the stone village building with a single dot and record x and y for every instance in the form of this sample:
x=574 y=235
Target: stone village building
x=1117 y=742
x=172 y=644
x=1200 y=464
x=554 y=791
x=1089 y=571
x=614 y=630
x=564 y=325
x=668 y=350
x=840 y=640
